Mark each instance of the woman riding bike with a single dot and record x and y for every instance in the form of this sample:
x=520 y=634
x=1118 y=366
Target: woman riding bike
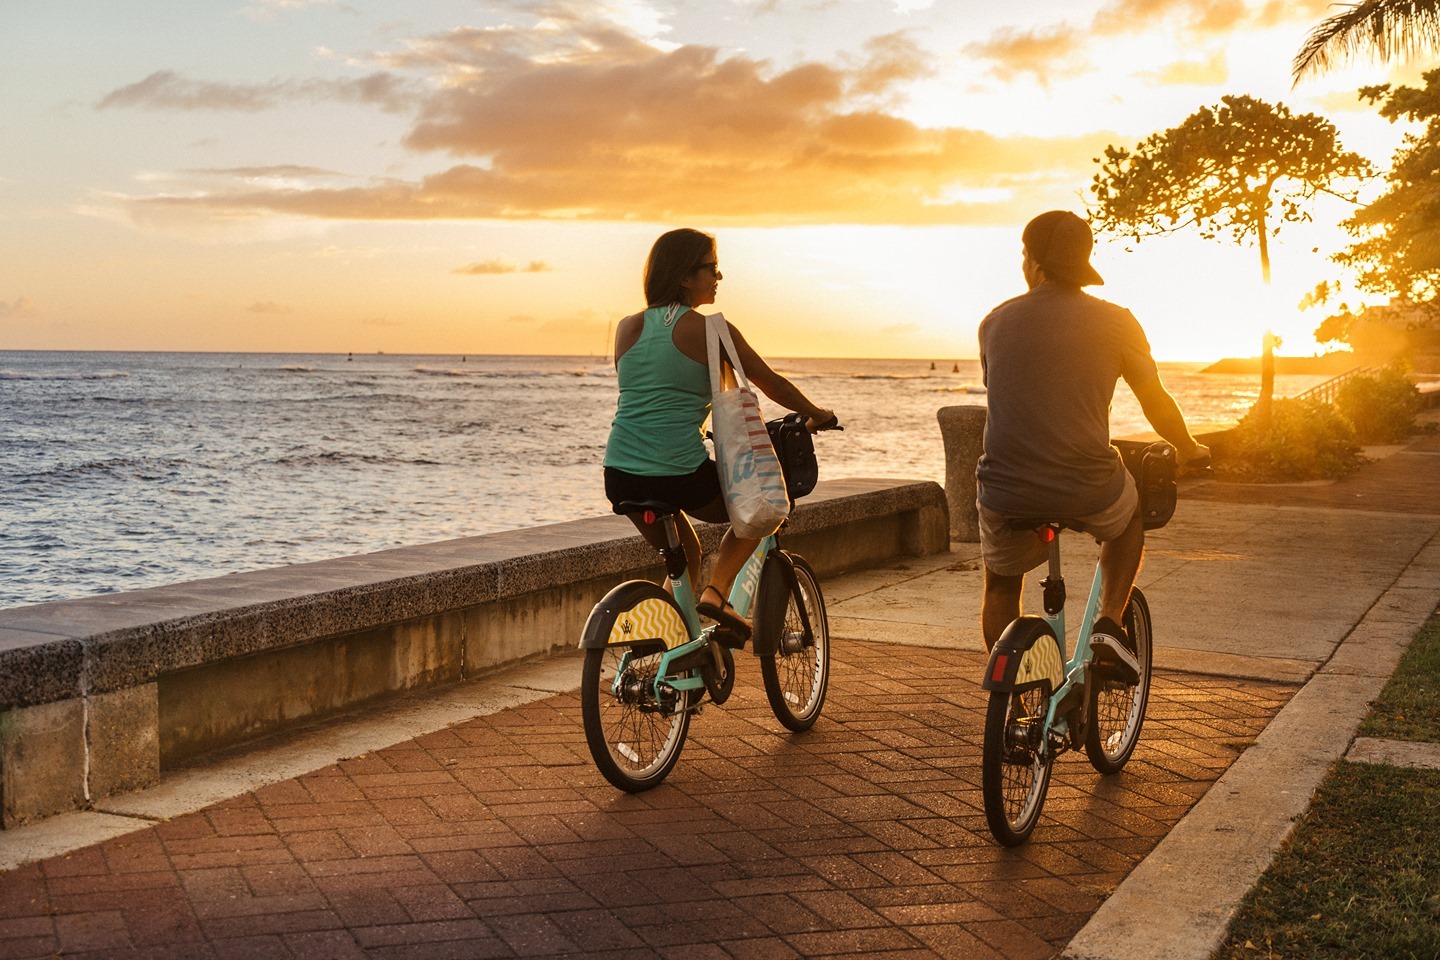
x=656 y=449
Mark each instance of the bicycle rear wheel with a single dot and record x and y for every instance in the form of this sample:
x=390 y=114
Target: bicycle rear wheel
x=797 y=673
x=1015 y=767
x=634 y=739
x=1117 y=710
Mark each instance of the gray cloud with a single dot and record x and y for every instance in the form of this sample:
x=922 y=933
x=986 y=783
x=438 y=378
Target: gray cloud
x=168 y=90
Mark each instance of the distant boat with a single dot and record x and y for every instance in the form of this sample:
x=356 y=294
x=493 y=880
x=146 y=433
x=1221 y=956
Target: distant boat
x=957 y=369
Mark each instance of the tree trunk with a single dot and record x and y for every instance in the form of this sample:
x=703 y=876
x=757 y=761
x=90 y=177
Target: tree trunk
x=1264 y=252
x=1267 y=379
x=1267 y=349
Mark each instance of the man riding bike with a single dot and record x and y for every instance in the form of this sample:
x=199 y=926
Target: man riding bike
x=1050 y=359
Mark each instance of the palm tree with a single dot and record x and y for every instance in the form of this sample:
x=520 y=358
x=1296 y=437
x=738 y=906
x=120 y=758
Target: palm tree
x=1387 y=28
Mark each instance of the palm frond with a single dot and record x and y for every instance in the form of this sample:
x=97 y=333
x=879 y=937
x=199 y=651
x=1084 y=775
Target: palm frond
x=1388 y=29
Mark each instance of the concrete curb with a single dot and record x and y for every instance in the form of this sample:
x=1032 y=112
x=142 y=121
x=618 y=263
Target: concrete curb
x=1395 y=753
x=1177 y=904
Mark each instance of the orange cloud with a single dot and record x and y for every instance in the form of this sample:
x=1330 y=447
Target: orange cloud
x=22 y=309
x=1194 y=72
x=1046 y=54
x=500 y=265
x=279 y=171
x=575 y=119
x=1059 y=50
x=268 y=306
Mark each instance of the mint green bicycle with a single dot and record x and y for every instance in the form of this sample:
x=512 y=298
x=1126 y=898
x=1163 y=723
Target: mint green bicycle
x=1043 y=704
x=650 y=665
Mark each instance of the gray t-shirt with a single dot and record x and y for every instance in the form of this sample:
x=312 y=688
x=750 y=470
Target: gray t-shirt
x=1050 y=359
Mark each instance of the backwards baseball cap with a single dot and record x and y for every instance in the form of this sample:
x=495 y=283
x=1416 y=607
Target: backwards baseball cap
x=1060 y=242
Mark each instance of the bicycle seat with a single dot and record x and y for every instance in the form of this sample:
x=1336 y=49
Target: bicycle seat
x=658 y=507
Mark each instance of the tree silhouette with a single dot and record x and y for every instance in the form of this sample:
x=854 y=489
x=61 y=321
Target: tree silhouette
x=1397 y=249
x=1242 y=168
x=1396 y=252
x=1386 y=28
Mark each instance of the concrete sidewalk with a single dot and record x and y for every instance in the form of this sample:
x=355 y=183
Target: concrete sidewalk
x=473 y=824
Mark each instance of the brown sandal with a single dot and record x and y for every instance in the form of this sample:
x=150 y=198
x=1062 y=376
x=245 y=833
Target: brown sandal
x=724 y=614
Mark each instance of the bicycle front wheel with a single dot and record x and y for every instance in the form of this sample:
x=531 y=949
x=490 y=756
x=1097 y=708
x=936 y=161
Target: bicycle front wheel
x=797 y=674
x=1117 y=710
x=634 y=738
x=1015 y=766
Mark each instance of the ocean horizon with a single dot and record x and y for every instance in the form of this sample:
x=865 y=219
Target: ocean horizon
x=130 y=469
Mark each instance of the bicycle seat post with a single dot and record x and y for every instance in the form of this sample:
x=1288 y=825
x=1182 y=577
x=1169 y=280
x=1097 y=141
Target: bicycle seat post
x=673 y=553
x=1054 y=582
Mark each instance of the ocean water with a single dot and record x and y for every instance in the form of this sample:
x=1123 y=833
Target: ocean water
x=127 y=470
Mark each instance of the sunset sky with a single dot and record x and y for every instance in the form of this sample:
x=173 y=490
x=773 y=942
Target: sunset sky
x=447 y=177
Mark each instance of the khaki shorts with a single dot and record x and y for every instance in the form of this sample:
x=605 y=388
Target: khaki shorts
x=1009 y=552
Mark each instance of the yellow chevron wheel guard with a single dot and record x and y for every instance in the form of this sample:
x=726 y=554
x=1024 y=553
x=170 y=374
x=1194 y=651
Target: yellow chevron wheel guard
x=650 y=619
x=1041 y=662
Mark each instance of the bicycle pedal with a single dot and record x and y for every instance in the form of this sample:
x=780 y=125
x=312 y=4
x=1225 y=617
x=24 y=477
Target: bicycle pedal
x=728 y=638
x=1113 y=661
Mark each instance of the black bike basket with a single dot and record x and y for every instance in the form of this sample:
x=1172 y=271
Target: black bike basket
x=1156 y=481
x=795 y=449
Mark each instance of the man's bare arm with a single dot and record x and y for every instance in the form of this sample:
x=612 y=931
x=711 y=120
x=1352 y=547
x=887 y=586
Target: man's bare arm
x=1164 y=415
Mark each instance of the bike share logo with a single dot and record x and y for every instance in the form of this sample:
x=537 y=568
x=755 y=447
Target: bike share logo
x=626 y=627
x=750 y=576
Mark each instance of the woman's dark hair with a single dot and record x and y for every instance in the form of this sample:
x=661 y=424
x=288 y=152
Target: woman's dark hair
x=673 y=258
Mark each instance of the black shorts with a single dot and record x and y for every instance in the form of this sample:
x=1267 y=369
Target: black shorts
x=690 y=492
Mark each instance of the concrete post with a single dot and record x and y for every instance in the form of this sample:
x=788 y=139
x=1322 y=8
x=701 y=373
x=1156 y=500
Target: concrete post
x=963 y=430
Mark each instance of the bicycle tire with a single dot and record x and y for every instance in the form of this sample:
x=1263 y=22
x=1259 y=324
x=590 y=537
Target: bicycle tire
x=634 y=738
x=1117 y=710
x=796 y=669
x=1015 y=766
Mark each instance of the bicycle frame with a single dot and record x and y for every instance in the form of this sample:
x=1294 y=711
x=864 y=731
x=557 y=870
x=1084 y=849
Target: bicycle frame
x=1033 y=649
x=1054 y=585
x=742 y=596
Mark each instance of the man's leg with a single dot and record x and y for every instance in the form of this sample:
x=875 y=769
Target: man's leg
x=999 y=604
x=1119 y=563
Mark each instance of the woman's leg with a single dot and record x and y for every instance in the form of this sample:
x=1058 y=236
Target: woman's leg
x=654 y=534
x=733 y=552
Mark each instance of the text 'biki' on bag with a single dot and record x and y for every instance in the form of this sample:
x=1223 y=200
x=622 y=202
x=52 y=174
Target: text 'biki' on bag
x=750 y=474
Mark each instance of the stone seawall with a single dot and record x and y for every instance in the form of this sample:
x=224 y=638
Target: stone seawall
x=99 y=695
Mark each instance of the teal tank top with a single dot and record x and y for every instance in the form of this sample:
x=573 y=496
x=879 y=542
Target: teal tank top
x=664 y=401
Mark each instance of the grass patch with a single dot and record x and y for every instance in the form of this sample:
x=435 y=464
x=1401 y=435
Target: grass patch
x=1359 y=878
x=1409 y=706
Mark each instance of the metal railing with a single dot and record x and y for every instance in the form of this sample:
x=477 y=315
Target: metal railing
x=1327 y=391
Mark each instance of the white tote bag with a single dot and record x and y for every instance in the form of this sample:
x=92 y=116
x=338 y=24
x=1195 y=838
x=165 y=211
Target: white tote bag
x=750 y=473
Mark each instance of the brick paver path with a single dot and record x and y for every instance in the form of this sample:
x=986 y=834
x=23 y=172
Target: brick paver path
x=498 y=838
